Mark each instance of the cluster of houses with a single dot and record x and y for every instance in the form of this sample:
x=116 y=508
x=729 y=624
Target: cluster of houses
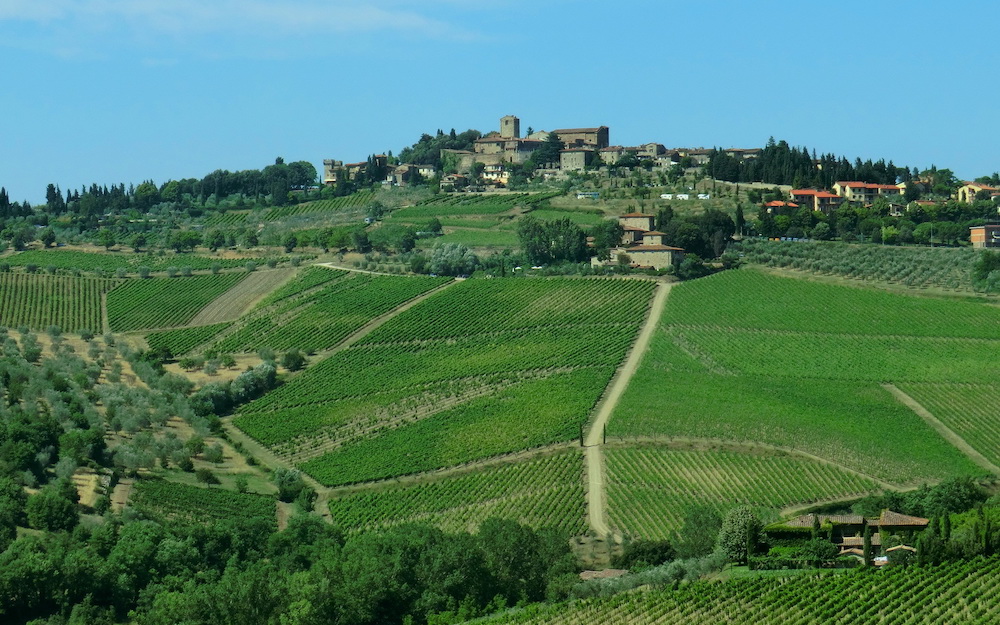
x=497 y=150
x=866 y=193
x=847 y=531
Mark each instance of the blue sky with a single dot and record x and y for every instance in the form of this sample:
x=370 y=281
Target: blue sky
x=114 y=91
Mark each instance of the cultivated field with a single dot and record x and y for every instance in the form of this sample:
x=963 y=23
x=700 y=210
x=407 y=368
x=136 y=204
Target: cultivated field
x=140 y=304
x=38 y=301
x=650 y=488
x=481 y=369
x=960 y=592
x=313 y=314
x=543 y=492
x=915 y=267
x=969 y=410
x=194 y=504
x=733 y=361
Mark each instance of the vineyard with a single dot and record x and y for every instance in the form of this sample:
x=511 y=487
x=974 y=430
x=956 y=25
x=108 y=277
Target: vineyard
x=193 y=504
x=183 y=340
x=480 y=369
x=755 y=300
x=970 y=410
x=138 y=304
x=918 y=267
x=325 y=315
x=711 y=373
x=38 y=301
x=306 y=279
x=250 y=217
x=110 y=262
x=651 y=488
x=544 y=492
x=960 y=592
x=461 y=204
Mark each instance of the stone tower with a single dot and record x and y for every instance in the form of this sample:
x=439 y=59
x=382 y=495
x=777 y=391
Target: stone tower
x=510 y=127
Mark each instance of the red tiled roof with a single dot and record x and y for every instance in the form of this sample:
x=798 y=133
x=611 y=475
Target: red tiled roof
x=654 y=232
x=813 y=192
x=634 y=229
x=891 y=518
x=982 y=187
x=867 y=185
x=612 y=148
x=780 y=203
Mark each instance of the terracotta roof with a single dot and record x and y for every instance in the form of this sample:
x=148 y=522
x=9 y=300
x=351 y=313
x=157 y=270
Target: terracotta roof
x=654 y=248
x=634 y=229
x=981 y=186
x=612 y=148
x=576 y=150
x=868 y=185
x=578 y=130
x=655 y=232
x=806 y=520
x=891 y=518
x=780 y=203
x=813 y=192
x=900 y=548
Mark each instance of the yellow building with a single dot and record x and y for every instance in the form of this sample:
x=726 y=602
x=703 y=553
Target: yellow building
x=968 y=191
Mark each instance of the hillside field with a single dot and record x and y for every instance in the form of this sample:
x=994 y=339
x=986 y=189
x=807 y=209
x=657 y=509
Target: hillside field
x=480 y=369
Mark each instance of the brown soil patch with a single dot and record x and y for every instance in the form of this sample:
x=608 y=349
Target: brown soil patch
x=87 y=483
x=233 y=303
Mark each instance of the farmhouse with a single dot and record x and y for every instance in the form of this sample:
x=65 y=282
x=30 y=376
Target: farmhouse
x=847 y=530
x=642 y=245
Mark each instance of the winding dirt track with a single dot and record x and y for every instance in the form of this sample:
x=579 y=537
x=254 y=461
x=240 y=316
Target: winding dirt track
x=595 y=438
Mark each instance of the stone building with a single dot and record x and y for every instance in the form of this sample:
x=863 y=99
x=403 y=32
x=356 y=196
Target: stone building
x=575 y=159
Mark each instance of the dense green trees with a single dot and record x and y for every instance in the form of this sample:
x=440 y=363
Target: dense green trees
x=545 y=242
x=240 y=571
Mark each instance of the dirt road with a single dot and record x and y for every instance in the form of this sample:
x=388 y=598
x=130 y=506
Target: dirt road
x=595 y=438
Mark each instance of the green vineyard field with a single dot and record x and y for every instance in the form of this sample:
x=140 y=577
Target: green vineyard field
x=967 y=409
x=38 y=301
x=109 y=262
x=650 y=488
x=194 y=504
x=708 y=374
x=326 y=315
x=183 y=340
x=479 y=369
x=961 y=592
x=140 y=304
x=543 y=492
